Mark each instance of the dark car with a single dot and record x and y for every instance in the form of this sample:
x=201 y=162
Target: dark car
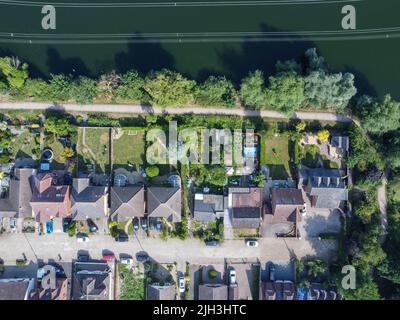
x=92 y=226
x=159 y=225
x=66 y=222
x=83 y=256
x=142 y=257
x=144 y=223
x=122 y=238
x=212 y=243
x=136 y=224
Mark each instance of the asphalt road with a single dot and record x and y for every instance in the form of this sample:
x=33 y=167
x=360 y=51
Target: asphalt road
x=33 y=246
x=140 y=109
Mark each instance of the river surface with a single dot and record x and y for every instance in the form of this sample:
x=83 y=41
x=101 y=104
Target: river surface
x=199 y=40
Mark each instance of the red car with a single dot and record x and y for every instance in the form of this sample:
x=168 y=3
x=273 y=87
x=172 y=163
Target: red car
x=109 y=257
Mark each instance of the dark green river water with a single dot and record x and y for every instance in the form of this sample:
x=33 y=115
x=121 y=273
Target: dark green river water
x=179 y=40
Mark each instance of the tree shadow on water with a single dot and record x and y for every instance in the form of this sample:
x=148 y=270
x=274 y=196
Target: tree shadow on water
x=143 y=57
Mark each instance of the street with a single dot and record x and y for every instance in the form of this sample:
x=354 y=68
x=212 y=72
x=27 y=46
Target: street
x=45 y=247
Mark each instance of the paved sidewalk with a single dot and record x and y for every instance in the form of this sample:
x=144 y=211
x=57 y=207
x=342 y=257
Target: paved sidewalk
x=140 y=109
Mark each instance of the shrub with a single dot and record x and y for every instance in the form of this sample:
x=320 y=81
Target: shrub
x=212 y=274
x=71 y=230
x=152 y=171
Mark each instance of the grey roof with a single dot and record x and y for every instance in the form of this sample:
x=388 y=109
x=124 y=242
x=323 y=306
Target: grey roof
x=127 y=202
x=17 y=204
x=341 y=142
x=287 y=196
x=157 y=292
x=91 y=281
x=327 y=191
x=246 y=218
x=87 y=201
x=164 y=203
x=14 y=289
x=319 y=172
x=213 y=292
x=206 y=207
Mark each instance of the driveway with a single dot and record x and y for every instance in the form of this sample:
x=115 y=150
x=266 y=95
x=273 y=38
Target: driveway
x=319 y=221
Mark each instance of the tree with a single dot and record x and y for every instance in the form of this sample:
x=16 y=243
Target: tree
x=131 y=86
x=300 y=127
x=366 y=289
x=285 y=92
x=315 y=267
x=217 y=176
x=152 y=171
x=328 y=91
x=67 y=153
x=323 y=135
x=15 y=72
x=169 y=88
x=252 y=90
x=379 y=116
x=84 y=90
x=60 y=87
x=216 y=91
x=314 y=61
x=60 y=127
x=288 y=66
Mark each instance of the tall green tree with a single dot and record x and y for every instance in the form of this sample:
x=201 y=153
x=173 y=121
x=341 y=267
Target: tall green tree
x=60 y=87
x=14 y=71
x=252 y=90
x=58 y=126
x=285 y=92
x=84 y=90
x=216 y=91
x=379 y=116
x=169 y=88
x=131 y=86
x=329 y=91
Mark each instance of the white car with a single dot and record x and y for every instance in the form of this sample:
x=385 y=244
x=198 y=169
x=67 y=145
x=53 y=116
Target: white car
x=126 y=261
x=252 y=243
x=232 y=276
x=182 y=284
x=83 y=238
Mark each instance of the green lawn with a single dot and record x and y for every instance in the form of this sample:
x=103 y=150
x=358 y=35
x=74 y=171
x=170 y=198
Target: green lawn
x=24 y=145
x=129 y=148
x=94 y=148
x=310 y=155
x=275 y=154
x=56 y=146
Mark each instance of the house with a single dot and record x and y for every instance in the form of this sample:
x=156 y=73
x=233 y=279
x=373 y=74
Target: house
x=278 y=290
x=156 y=291
x=16 y=289
x=326 y=188
x=92 y=281
x=59 y=292
x=17 y=202
x=127 y=202
x=164 y=202
x=88 y=201
x=286 y=206
x=208 y=207
x=215 y=291
x=246 y=206
x=50 y=199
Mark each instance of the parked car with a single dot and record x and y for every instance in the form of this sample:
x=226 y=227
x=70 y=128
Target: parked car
x=109 y=257
x=126 y=261
x=142 y=257
x=66 y=222
x=182 y=284
x=252 y=243
x=13 y=224
x=82 y=237
x=82 y=256
x=212 y=243
x=122 y=238
x=144 y=223
x=159 y=225
x=272 y=272
x=232 y=276
x=151 y=224
x=136 y=224
x=92 y=226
